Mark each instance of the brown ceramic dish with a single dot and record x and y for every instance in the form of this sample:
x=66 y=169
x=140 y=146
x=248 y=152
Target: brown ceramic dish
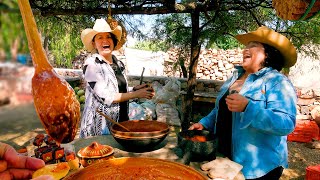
x=94 y=153
x=143 y=135
x=137 y=168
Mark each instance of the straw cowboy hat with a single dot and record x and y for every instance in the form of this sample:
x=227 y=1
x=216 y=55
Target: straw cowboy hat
x=100 y=26
x=274 y=39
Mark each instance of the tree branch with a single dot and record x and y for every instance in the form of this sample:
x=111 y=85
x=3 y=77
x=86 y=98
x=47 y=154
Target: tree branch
x=177 y=8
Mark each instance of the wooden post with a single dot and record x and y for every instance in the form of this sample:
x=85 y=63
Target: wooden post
x=195 y=51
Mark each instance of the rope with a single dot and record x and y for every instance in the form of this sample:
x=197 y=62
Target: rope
x=308 y=10
x=109 y=10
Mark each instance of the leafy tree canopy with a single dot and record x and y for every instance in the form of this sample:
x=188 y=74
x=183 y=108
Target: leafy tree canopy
x=61 y=22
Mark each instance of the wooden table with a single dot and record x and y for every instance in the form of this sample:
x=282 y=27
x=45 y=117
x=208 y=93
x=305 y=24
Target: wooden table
x=166 y=150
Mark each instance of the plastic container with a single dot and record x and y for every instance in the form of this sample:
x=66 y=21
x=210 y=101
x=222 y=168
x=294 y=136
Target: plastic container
x=313 y=172
x=22 y=58
x=305 y=131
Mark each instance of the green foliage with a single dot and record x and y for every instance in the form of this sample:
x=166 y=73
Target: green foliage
x=64 y=38
x=151 y=45
x=303 y=32
x=225 y=43
x=174 y=29
x=11 y=27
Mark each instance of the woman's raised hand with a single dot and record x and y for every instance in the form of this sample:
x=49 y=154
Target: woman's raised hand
x=146 y=92
x=236 y=102
x=196 y=126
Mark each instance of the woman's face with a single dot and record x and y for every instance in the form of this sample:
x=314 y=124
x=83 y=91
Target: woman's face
x=103 y=43
x=253 y=57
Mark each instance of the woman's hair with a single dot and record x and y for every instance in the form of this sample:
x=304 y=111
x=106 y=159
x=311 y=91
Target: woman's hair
x=274 y=58
x=113 y=37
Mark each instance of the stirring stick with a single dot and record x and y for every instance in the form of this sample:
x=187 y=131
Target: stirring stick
x=113 y=121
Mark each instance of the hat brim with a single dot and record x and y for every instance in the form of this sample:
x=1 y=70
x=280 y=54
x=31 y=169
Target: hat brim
x=274 y=39
x=88 y=34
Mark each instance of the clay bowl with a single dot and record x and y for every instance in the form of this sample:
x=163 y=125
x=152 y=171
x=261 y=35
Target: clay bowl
x=144 y=135
x=93 y=153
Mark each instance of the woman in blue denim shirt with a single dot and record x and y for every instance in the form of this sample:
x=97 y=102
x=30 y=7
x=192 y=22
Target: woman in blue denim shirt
x=106 y=82
x=256 y=108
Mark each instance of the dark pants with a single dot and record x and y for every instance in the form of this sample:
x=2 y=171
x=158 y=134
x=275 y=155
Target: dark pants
x=275 y=174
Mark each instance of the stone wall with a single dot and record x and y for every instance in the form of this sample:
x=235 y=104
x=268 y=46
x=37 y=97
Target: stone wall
x=212 y=64
x=203 y=85
x=308 y=105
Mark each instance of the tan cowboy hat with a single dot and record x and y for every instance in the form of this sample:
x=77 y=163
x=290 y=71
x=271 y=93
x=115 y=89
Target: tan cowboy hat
x=100 y=26
x=268 y=36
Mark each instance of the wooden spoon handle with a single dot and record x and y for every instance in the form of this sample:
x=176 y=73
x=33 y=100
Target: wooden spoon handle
x=113 y=121
x=39 y=57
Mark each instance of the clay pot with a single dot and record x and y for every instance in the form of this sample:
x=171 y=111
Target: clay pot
x=297 y=9
x=94 y=153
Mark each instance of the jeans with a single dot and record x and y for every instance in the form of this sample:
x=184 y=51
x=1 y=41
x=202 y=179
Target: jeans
x=275 y=174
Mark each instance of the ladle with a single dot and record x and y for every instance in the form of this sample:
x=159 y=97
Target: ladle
x=54 y=99
x=112 y=121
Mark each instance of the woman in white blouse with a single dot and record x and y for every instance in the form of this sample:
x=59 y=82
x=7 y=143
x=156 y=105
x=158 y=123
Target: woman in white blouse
x=106 y=83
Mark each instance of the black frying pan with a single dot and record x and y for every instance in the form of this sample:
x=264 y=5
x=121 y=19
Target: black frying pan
x=197 y=145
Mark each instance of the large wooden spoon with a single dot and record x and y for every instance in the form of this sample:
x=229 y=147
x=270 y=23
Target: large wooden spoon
x=112 y=121
x=54 y=99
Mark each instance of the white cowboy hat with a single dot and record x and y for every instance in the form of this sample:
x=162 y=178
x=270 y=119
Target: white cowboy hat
x=274 y=39
x=100 y=26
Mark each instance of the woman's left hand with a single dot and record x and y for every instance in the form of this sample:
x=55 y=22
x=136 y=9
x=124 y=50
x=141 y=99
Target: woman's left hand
x=236 y=102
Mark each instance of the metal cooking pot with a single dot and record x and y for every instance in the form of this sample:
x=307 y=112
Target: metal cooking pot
x=197 y=145
x=144 y=135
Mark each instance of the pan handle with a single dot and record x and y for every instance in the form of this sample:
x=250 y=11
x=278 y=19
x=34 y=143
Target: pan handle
x=187 y=157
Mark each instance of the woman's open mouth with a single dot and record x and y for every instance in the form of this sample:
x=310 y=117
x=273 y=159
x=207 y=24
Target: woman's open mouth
x=106 y=47
x=246 y=56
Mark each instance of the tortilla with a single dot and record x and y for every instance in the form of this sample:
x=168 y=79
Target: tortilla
x=57 y=171
x=222 y=168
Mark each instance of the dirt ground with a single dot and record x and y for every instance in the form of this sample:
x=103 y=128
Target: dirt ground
x=19 y=124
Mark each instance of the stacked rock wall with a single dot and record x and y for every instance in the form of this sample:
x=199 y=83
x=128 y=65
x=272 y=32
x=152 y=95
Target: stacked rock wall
x=308 y=105
x=212 y=64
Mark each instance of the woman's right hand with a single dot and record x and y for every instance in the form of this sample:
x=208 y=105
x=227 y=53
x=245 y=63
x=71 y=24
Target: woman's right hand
x=196 y=126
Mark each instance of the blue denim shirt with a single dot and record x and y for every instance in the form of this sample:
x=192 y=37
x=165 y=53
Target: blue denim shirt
x=259 y=134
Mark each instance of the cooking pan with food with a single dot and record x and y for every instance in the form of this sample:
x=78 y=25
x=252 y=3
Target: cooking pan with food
x=197 y=145
x=144 y=135
x=138 y=168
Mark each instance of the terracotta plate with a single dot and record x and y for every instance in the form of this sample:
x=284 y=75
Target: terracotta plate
x=137 y=168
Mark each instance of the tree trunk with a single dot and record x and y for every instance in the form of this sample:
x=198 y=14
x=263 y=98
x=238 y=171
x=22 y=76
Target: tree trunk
x=14 y=50
x=183 y=68
x=195 y=51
